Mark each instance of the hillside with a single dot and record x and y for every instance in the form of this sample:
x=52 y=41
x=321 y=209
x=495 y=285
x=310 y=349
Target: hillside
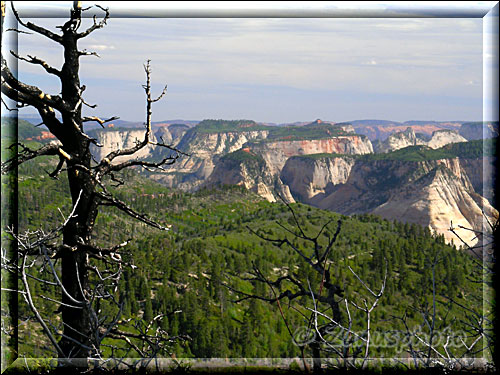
x=209 y=243
x=210 y=140
x=25 y=130
x=382 y=129
x=430 y=187
x=223 y=152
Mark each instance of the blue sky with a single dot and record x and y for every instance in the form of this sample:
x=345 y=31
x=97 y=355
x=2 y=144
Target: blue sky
x=279 y=70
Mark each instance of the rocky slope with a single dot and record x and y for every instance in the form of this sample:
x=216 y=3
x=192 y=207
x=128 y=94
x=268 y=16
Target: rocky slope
x=266 y=177
x=438 y=200
x=204 y=149
x=399 y=140
x=329 y=166
x=441 y=138
x=245 y=168
x=276 y=153
x=171 y=134
x=432 y=193
x=119 y=138
x=208 y=142
x=311 y=178
x=482 y=175
x=408 y=137
x=381 y=129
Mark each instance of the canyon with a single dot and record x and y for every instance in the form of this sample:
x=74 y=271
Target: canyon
x=331 y=166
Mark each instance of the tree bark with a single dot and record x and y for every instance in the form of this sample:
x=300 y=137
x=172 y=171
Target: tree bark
x=81 y=332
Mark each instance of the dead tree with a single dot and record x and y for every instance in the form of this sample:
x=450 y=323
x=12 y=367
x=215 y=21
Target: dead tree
x=324 y=319
x=472 y=348
x=88 y=180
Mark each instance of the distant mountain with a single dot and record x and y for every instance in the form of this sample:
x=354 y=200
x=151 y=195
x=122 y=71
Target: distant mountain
x=210 y=140
x=479 y=130
x=372 y=128
x=381 y=129
x=357 y=123
x=155 y=124
x=326 y=164
x=189 y=123
x=35 y=119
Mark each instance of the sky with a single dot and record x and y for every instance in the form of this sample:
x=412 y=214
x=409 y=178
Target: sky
x=277 y=69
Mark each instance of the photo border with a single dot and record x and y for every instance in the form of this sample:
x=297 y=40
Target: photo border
x=488 y=13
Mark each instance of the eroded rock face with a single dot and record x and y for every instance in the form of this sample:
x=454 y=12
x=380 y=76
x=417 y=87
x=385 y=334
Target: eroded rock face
x=267 y=178
x=253 y=173
x=482 y=175
x=441 y=138
x=276 y=153
x=119 y=139
x=206 y=148
x=172 y=134
x=164 y=135
x=309 y=177
x=177 y=131
x=439 y=200
x=430 y=193
x=408 y=137
x=399 y=140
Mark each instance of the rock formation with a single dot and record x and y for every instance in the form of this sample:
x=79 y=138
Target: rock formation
x=431 y=193
x=443 y=137
x=119 y=138
x=245 y=168
x=400 y=140
x=408 y=137
x=311 y=178
x=329 y=166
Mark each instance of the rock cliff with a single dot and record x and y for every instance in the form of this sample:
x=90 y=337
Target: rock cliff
x=482 y=175
x=438 y=200
x=276 y=153
x=329 y=166
x=311 y=178
x=408 y=137
x=267 y=178
x=441 y=138
x=117 y=138
x=204 y=150
x=171 y=134
x=245 y=168
x=431 y=193
x=400 y=140
x=213 y=139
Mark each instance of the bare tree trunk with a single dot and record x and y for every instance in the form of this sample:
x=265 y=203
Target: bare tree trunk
x=316 y=352
x=83 y=331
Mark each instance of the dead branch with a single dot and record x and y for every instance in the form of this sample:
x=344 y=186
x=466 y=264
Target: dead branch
x=28 y=154
x=38 y=29
x=35 y=60
x=96 y=25
x=99 y=120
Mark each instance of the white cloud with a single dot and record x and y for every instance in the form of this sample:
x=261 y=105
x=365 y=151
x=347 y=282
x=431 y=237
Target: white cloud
x=418 y=56
x=371 y=62
x=101 y=47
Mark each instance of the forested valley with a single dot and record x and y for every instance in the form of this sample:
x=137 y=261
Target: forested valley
x=193 y=272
